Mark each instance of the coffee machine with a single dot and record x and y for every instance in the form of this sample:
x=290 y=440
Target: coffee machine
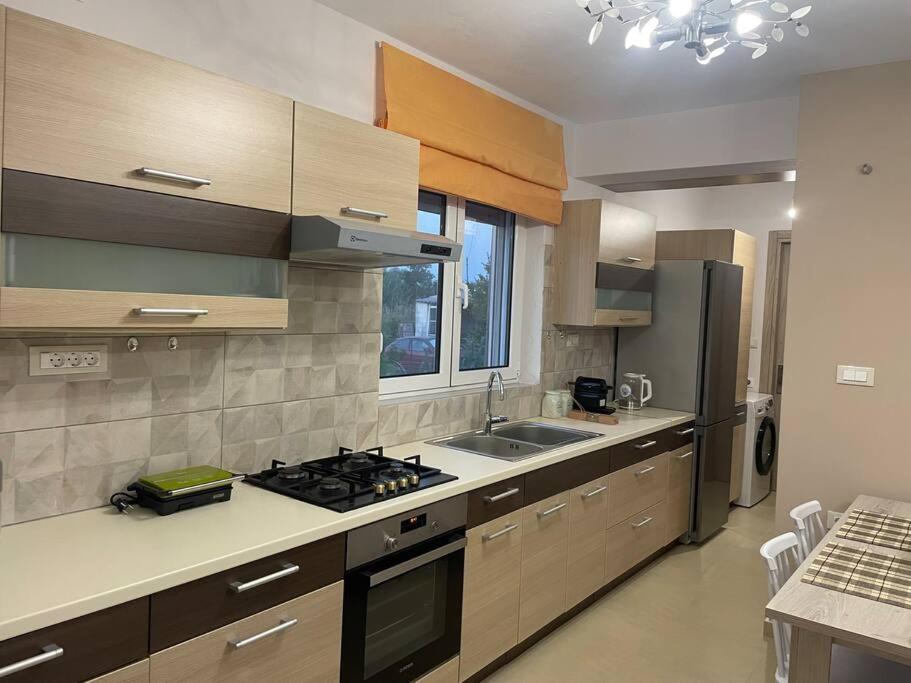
x=634 y=391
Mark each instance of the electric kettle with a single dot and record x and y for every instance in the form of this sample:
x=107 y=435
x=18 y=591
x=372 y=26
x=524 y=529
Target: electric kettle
x=634 y=391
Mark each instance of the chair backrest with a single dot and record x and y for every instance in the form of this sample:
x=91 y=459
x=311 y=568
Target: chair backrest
x=810 y=528
x=782 y=556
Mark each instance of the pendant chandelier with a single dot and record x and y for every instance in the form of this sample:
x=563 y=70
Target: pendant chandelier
x=708 y=27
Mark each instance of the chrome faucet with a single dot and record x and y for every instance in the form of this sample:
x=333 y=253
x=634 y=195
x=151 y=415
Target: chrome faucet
x=490 y=420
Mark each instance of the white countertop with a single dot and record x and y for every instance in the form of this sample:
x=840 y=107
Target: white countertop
x=59 y=568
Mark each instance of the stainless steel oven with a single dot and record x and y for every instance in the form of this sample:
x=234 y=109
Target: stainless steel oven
x=403 y=594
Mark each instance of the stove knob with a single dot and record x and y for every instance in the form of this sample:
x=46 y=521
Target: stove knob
x=379 y=488
x=414 y=479
x=391 y=543
x=391 y=485
x=403 y=483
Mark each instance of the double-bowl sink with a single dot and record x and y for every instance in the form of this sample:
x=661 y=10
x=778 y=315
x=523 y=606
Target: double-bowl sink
x=515 y=441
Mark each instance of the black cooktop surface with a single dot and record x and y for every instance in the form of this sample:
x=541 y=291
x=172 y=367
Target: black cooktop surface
x=350 y=480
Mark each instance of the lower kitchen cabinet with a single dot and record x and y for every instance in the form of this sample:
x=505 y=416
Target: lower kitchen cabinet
x=586 y=559
x=298 y=640
x=635 y=538
x=737 y=460
x=134 y=673
x=679 y=478
x=444 y=673
x=635 y=488
x=545 y=541
x=490 y=603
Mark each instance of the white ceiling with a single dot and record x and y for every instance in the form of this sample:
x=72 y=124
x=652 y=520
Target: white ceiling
x=537 y=50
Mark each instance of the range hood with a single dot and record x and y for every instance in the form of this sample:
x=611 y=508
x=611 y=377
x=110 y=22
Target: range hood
x=337 y=241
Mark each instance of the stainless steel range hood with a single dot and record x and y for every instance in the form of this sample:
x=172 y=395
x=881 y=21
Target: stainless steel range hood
x=337 y=241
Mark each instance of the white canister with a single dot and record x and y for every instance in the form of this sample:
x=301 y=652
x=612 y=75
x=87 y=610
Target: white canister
x=552 y=404
x=567 y=400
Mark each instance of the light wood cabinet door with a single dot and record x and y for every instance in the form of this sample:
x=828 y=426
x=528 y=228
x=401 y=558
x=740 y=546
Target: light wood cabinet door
x=737 y=460
x=85 y=107
x=307 y=649
x=635 y=488
x=635 y=538
x=490 y=600
x=585 y=560
x=680 y=478
x=545 y=537
x=134 y=673
x=340 y=163
x=627 y=236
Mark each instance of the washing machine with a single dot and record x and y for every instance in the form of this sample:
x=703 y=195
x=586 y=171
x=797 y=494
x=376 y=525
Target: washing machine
x=760 y=451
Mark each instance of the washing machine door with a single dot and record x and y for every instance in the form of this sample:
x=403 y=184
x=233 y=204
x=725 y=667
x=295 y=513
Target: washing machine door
x=766 y=445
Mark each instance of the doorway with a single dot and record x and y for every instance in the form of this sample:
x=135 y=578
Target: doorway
x=774 y=322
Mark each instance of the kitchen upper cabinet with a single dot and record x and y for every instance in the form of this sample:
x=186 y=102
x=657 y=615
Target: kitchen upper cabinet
x=490 y=602
x=346 y=168
x=585 y=559
x=680 y=478
x=604 y=256
x=85 y=107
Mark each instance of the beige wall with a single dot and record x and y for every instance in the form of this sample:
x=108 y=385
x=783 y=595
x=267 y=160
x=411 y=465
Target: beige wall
x=850 y=292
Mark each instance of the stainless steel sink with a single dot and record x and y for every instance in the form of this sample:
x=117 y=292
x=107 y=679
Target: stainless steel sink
x=514 y=442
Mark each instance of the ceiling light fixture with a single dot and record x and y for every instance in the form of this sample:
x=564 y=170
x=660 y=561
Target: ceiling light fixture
x=751 y=24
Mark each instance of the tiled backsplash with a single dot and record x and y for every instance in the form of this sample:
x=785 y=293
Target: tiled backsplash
x=238 y=400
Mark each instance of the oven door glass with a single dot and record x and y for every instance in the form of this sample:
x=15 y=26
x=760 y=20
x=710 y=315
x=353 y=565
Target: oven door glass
x=399 y=625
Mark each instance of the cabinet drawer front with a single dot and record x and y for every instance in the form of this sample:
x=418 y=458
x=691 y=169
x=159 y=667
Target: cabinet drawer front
x=677 y=437
x=637 y=451
x=490 y=603
x=635 y=488
x=680 y=476
x=544 y=548
x=92 y=645
x=34 y=308
x=585 y=560
x=186 y=611
x=301 y=641
x=339 y=162
x=134 y=673
x=85 y=107
x=608 y=317
x=495 y=500
x=634 y=539
x=563 y=476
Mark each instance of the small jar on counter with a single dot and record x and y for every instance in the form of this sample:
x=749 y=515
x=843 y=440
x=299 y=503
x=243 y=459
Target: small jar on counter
x=566 y=399
x=552 y=404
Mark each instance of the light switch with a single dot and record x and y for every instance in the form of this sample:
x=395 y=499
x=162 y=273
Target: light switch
x=852 y=374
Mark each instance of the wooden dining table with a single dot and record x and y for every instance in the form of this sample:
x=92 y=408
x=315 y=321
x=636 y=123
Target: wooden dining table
x=820 y=617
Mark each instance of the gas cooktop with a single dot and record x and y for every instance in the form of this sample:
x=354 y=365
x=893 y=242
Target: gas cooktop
x=350 y=480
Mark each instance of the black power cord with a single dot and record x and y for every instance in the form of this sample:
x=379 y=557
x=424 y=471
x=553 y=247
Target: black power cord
x=123 y=501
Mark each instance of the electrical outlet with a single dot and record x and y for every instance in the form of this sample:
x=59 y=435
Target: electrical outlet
x=832 y=518
x=572 y=340
x=68 y=359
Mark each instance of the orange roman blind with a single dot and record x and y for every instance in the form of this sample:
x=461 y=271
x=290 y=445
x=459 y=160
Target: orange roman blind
x=474 y=144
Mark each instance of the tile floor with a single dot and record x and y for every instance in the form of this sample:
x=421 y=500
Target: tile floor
x=692 y=616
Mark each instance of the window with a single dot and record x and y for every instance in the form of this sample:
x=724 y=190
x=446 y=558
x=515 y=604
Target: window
x=449 y=325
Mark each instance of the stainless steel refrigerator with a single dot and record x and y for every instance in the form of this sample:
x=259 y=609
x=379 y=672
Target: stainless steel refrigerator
x=690 y=354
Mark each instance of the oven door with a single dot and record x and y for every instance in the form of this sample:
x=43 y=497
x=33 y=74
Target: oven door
x=403 y=614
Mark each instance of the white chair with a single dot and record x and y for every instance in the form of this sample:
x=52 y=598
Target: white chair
x=782 y=557
x=810 y=528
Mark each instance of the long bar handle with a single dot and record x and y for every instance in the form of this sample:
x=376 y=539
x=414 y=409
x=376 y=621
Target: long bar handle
x=547 y=513
x=364 y=213
x=500 y=496
x=684 y=456
x=48 y=652
x=645 y=471
x=287 y=570
x=502 y=532
x=282 y=625
x=419 y=561
x=645 y=521
x=176 y=177
x=631 y=259
x=171 y=311
x=600 y=489
x=685 y=432
x=647 y=444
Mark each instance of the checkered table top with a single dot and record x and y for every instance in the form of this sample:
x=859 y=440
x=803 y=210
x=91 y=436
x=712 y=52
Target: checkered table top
x=876 y=528
x=857 y=571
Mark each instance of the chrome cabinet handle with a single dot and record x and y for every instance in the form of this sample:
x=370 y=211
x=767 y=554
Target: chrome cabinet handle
x=287 y=570
x=547 y=513
x=48 y=652
x=502 y=532
x=283 y=625
x=631 y=259
x=684 y=456
x=645 y=521
x=647 y=444
x=685 y=432
x=365 y=213
x=176 y=177
x=171 y=311
x=645 y=471
x=628 y=317
x=500 y=496
x=600 y=489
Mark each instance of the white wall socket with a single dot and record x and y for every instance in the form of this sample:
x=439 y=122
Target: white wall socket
x=68 y=359
x=572 y=340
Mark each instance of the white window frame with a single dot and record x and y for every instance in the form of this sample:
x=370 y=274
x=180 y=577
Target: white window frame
x=449 y=377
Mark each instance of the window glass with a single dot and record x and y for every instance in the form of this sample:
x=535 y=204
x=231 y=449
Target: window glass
x=487 y=263
x=411 y=298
